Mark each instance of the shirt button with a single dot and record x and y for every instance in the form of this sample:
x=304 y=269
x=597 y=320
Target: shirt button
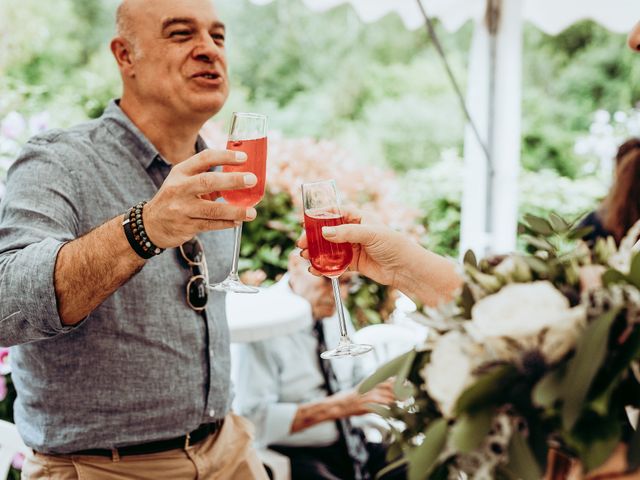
x=212 y=412
x=211 y=352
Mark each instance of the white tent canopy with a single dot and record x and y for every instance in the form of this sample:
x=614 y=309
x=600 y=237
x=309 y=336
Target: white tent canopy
x=489 y=204
x=550 y=16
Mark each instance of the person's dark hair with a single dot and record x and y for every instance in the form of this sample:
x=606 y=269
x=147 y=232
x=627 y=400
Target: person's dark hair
x=621 y=208
x=631 y=144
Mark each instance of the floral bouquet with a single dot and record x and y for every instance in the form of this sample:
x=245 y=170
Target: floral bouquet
x=537 y=359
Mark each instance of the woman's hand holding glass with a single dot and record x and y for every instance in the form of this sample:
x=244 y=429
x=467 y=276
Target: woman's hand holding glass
x=322 y=208
x=392 y=258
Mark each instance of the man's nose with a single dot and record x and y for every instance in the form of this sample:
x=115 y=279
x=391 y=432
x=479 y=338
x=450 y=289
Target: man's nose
x=634 y=38
x=207 y=50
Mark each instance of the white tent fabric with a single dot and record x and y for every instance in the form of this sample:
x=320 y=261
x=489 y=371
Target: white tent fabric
x=550 y=16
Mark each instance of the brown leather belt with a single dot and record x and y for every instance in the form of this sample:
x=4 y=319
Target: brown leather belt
x=192 y=438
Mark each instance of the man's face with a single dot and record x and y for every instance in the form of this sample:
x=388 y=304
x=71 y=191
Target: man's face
x=634 y=38
x=179 y=60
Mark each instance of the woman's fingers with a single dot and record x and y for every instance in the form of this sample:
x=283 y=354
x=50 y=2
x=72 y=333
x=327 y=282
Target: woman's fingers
x=350 y=233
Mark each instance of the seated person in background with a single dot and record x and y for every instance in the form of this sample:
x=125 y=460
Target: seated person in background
x=300 y=404
x=621 y=208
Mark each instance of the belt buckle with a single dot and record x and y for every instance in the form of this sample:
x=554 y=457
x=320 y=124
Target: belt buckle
x=187 y=437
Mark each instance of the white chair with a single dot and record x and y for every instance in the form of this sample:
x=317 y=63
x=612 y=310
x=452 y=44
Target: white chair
x=279 y=464
x=10 y=445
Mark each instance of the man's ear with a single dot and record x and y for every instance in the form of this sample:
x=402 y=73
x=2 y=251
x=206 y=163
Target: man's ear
x=123 y=53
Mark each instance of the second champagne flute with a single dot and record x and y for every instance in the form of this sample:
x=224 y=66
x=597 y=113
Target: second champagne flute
x=248 y=134
x=322 y=209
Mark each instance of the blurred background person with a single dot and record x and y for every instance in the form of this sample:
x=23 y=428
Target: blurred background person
x=301 y=404
x=620 y=209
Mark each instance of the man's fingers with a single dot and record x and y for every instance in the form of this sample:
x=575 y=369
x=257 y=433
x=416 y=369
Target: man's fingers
x=207 y=182
x=315 y=272
x=222 y=211
x=350 y=233
x=302 y=242
x=205 y=160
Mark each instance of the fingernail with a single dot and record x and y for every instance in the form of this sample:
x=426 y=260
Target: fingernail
x=250 y=179
x=251 y=213
x=241 y=156
x=328 y=231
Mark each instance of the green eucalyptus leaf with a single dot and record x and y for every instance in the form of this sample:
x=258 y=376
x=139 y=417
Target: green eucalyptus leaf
x=537 y=265
x=634 y=271
x=423 y=458
x=578 y=233
x=391 y=467
x=403 y=391
x=539 y=243
x=467 y=301
x=613 y=276
x=549 y=389
x=487 y=390
x=559 y=224
x=538 y=224
x=584 y=365
x=598 y=451
x=389 y=369
x=471 y=429
x=383 y=411
x=522 y=462
x=600 y=404
x=470 y=259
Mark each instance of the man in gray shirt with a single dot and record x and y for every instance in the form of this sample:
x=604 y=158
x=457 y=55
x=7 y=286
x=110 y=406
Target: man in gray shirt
x=121 y=367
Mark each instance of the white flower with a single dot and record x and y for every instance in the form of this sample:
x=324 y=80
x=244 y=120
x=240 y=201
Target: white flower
x=527 y=316
x=13 y=125
x=449 y=372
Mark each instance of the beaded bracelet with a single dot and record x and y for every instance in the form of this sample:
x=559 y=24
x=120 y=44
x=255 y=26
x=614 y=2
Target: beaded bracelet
x=136 y=234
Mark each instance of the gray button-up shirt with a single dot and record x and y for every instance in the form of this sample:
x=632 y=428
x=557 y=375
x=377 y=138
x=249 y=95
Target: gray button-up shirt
x=142 y=366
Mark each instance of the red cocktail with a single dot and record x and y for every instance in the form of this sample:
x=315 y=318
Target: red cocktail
x=330 y=259
x=256 y=150
x=248 y=133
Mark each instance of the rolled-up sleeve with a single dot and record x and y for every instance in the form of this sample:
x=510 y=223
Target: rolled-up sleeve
x=257 y=399
x=38 y=215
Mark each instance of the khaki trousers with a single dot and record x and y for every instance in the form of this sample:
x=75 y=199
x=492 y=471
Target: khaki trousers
x=226 y=455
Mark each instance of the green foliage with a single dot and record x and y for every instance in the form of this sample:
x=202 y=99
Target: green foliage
x=575 y=400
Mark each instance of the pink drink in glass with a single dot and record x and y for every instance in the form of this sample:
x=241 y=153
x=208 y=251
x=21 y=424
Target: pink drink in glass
x=256 y=150
x=330 y=259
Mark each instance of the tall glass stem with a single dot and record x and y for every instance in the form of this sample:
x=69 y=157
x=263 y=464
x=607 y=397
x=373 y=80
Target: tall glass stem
x=339 y=307
x=236 y=251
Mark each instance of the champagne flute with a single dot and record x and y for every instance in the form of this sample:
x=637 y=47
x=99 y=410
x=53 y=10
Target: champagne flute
x=322 y=209
x=248 y=134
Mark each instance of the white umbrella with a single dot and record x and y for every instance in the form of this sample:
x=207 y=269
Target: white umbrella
x=489 y=204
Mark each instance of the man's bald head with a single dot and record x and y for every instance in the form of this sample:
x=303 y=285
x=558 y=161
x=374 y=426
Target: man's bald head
x=125 y=24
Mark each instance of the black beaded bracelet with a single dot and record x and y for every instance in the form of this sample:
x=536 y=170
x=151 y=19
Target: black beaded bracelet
x=136 y=234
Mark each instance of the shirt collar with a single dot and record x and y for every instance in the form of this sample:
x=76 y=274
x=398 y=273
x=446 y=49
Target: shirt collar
x=127 y=132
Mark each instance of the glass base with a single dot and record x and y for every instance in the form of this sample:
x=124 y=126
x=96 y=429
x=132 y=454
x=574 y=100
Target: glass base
x=346 y=348
x=231 y=284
